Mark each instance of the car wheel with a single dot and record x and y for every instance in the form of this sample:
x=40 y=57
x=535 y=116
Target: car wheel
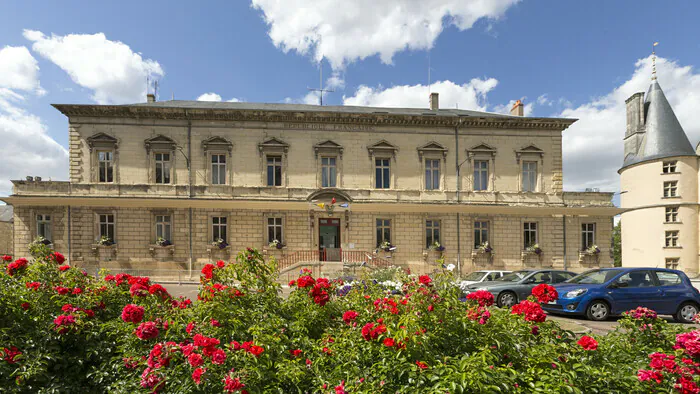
x=598 y=311
x=507 y=299
x=686 y=312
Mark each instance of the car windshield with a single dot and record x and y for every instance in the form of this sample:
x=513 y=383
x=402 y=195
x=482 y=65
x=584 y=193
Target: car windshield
x=475 y=276
x=595 y=277
x=513 y=276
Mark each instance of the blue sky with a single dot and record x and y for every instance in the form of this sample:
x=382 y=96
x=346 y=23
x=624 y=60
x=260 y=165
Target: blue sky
x=564 y=58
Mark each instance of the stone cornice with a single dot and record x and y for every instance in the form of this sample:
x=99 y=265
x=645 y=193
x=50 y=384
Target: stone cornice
x=169 y=113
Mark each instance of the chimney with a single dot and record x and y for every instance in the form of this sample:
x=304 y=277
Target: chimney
x=434 y=102
x=150 y=98
x=518 y=109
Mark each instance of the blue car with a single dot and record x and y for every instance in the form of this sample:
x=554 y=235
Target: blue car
x=601 y=293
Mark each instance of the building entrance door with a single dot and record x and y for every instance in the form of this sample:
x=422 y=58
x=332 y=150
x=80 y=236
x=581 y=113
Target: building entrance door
x=329 y=239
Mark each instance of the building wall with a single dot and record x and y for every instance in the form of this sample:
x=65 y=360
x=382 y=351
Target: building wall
x=644 y=224
x=6 y=238
x=135 y=236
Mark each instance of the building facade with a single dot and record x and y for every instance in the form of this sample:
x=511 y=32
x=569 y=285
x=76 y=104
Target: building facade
x=329 y=184
x=6 y=230
x=659 y=186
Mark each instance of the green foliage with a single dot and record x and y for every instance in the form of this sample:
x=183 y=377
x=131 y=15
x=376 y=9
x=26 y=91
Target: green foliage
x=426 y=338
x=617 y=244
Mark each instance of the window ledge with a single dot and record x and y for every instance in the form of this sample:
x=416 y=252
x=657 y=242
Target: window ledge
x=671 y=173
x=670 y=197
x=673 y=222
x=673 y=247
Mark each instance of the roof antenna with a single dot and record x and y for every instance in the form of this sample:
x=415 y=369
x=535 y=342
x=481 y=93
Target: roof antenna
x=653 y=61
x=320 y=83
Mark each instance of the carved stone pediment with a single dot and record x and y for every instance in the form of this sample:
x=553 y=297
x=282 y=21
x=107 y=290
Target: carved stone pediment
x=432 y=148
x=102 y=140
x=217 y=144
x=328 y=147
x=273 y=145
x=160 y=142
x=482 y=148
x=382 y=147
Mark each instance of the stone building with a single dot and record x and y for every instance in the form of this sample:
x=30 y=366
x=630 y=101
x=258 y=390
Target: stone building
x=251 y=174
x=6 y=219
x=659 y=186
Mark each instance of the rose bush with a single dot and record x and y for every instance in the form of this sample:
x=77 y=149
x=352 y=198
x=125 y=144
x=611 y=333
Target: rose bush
x=64 y=331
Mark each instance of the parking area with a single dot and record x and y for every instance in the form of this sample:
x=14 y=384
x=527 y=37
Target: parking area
x=583 y=325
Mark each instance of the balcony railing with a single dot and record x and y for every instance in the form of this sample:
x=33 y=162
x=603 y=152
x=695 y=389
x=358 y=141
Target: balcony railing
x=348 y=257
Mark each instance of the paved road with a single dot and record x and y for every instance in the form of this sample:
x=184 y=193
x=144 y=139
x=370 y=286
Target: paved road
x=580 y=324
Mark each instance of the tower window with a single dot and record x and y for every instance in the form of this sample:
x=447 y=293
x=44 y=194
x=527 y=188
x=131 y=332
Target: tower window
x=671 y=189
x=670 y=167
x=671 y=239
x=671 y=214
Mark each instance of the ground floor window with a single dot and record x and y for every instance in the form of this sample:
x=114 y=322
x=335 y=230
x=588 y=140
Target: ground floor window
x=219 y=226
x=587 y=235
x=432 y=233
x=383 y=231
x=481 y=233
x=107 y=227
x=43 y=226
x=274 y=230
x=163 y=227
x=529 y=234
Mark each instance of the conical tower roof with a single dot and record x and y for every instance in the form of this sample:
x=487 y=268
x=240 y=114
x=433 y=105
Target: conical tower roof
x=663 y=134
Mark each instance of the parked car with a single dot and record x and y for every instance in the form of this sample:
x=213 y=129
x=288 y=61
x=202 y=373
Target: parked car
x=517 y=285
x=482 y=276
x=601 y=293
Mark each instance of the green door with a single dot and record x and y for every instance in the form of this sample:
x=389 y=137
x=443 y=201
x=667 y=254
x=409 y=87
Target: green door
x=329 y=239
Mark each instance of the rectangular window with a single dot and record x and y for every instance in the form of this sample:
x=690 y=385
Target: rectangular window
x=382 y=174
x=328 y=171
x=432 y=174
x=106 y=224
x=105 y=167
x=670 y=189
x=43 y=226
x=529 y=234
x=671 y=214
x=218 y=228
x=218 y=169
x=274 y=171
x=163 y=227
x=669 y=167
x=383 y=231
x=529 y=176
x=671 y=263
x=481 y=175
x=162 y=168
x=481 y=233
x=274 y=230
x=432 y=232
x=671 y=238
x=587 y=235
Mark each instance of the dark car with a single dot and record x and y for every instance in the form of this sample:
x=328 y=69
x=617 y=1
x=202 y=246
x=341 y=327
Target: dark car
x=601 y=293
x=518 y=285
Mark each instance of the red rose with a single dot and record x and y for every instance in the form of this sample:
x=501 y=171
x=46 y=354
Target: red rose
x=425 y=279
x=10 y=354
x=588 y=343
x=33 y=285
x=256 y=350
x=17 y=266
x=220 y=264
x=531 y=310
x=63 y=268
x=367 y=331
x=643 y=376
x=208 y=271
x=295 y=352
x=138 y=290
x=232 y=385
x=349 y=316
x=159 y=290
x=219 y=357
x=132 y=313
x=57 y=258
x=545 y=293
x=305 y=281
x=292 y=282
x=195 y=359
x=483 y=297
x=421 y=365
x=25 y=305
x=63 y=323
x=197 y=375
x=389 y=342
x=147 y=330
x=62 y=290
x=6 y=258
x=77 y=290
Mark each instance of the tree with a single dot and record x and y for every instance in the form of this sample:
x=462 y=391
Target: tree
x=617 y=244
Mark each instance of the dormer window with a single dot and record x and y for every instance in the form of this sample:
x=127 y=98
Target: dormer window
x=669 y=167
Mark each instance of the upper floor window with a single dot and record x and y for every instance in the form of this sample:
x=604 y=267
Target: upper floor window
x=587 y=235
x=672 y=263
x=481 y=175
x=432 y=233
x=219 y=228
x=162 y=161
x=671 y=189
x=163 y=227
x=382 y=174
x=43 y=226
x=329 y=172
x=671 y=238
x=105 y=168
x=106 y=226
x=670 y=167
x=218 y=169
x=671 y=214
x=383 y=231
x=529 y=234
x=529 y=176
x=274 y=230
x=481 y=233
x=432 y=174
x=274 y=171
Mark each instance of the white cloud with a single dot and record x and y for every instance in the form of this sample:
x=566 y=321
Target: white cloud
x=344 y=31
x=27 y=148
x=19 y=70
x=470 y=95
x=544 y=100
x=114 y=72
x=593 y=148
x=211 y=96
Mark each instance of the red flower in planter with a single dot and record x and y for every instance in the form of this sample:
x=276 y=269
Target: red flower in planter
x=63 y=323
x=349 y=316
x=10 y=354
x=421 y=365
x=425 y=279
x=6 y=258
x=208 y=271
x=132 y=313
x=57 y=258
x=62 y=290
x=545 y=293
x=531 y=310
x=33 y=285
x=644 y=376
x=219 y=357
x=159 y=290
x=588 y=343
x=232 y=385
x=483 y=297
x=294 y=353
x=17 y=266
x=197 y=375
x=389 y=342
x=689 y=342
x=63 y=268
x=256 y=350
x=686 y=385
x=480 y=314
x=195 y=359
x=147 y=330
x=138 y=290
x=220 y=264
x=25 y=305
x=305 y=281
x=641 y=313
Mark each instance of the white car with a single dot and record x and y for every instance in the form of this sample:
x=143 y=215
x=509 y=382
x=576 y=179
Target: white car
x=480 y=276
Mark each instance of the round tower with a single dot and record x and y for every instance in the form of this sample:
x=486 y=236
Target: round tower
x=658 y=186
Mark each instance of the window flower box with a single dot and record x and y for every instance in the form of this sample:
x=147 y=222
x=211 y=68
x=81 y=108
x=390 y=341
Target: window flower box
x=162 y=250
x=218 y=249
x=105 y=251
x=530 y=251
x=483 y=253
x=589 y=254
